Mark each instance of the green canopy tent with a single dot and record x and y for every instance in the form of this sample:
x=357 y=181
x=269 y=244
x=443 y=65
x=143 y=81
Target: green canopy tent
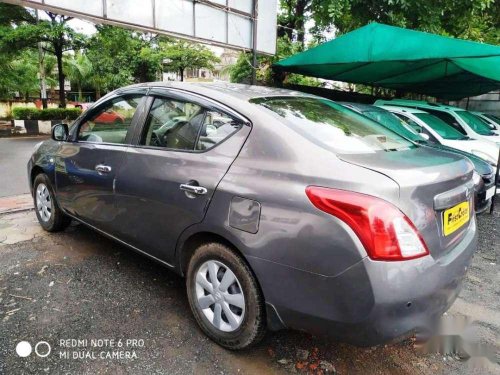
x=402 y=59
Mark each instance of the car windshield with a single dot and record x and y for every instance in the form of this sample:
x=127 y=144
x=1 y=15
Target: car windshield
x=394 y=123
x=475 y=123
x=333 y=126
x=439 y=126
x=493 y=117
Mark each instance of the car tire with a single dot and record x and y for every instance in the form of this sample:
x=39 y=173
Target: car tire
x=49 y=215
x=249 y=319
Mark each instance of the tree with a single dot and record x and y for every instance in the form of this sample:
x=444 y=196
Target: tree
x=19 y=75
x=292 y=17
x=79 y=71
x=59 y=38
x=181 y=55
x=19 y=29
x=120 y=57
x=241 y=71
x=477 y=20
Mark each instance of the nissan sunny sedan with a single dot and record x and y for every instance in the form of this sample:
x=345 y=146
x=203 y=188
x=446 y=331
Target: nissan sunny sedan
x=281 y=209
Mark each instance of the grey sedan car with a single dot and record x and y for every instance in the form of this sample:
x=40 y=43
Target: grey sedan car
x=281 y=209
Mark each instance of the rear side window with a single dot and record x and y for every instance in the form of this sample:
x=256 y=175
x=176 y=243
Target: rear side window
x=333 y=126
x=111 y=123
x=179 y=125
x=216 y=127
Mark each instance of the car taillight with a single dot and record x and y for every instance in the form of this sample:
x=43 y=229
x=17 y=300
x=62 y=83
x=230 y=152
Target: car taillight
x=385 y=232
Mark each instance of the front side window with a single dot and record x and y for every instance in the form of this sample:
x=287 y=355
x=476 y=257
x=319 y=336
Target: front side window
x=333 y=126
x=475 y=123
x=111 y=123
x=172 y=124
x=178 y=125
x=410 y=123
x=447 y=118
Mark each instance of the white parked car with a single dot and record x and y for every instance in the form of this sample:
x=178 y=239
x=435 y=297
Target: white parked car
x=491 y=120
x=464 y=121
x=436 y=130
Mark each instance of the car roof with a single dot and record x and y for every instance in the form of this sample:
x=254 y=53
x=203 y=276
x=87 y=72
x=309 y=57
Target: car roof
x=402 y=109
x=235 y=90
x=362 y=107
x=418 y=103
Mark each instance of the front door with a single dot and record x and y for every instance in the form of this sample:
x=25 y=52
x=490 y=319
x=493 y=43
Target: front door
x=86 y=167
x=167 y=179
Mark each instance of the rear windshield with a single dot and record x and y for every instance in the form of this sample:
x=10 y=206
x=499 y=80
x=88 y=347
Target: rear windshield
x=334 y=126
x=394 y=123
x=439 y=126
x=475 y=123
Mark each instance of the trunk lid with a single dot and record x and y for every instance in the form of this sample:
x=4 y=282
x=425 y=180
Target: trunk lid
x=430 y=182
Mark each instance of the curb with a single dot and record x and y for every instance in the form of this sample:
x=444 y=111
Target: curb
x=16 y=210
x=16 y=203
x=32 y=127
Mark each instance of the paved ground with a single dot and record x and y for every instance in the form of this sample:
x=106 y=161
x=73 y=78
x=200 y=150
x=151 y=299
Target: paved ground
x=79 y=285
x=14 y=155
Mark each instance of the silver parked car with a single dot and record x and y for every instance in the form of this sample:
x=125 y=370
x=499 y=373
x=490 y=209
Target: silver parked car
x=281 y=209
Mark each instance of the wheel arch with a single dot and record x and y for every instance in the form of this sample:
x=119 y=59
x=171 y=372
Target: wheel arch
x=195 y=240
x=35 y=171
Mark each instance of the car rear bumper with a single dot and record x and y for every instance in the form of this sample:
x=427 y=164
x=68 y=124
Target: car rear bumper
x=480 y=201
x=371 y=302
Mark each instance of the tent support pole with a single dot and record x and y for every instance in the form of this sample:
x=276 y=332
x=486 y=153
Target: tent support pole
x=254 y=41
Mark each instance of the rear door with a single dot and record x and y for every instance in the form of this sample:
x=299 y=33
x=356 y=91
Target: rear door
x=169 y=175
x=86 y=166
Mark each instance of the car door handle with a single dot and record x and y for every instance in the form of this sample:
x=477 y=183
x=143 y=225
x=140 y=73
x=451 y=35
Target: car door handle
x=193 y=189
x=101 y=168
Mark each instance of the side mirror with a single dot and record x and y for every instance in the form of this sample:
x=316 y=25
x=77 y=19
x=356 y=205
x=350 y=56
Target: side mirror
x=424 y=136
x=60 y=132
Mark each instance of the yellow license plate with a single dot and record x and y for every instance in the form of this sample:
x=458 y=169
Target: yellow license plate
x=455 y=217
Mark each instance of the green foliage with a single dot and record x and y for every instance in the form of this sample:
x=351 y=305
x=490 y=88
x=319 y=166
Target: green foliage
x=180 y=55
x=292 y=17
x=477 y=20
x=20 y=30
x=120 y=57
x=19 y=74
x=79 y=70
x=241 y=71
x=111 y=50
x=23 y=113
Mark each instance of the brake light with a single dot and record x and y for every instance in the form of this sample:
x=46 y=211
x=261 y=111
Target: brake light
x=386 y=233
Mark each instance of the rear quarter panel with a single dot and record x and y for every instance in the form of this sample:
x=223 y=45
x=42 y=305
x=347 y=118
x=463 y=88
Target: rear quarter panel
x=274 y=168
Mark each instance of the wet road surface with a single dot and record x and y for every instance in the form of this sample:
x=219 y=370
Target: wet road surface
x=14 y=156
